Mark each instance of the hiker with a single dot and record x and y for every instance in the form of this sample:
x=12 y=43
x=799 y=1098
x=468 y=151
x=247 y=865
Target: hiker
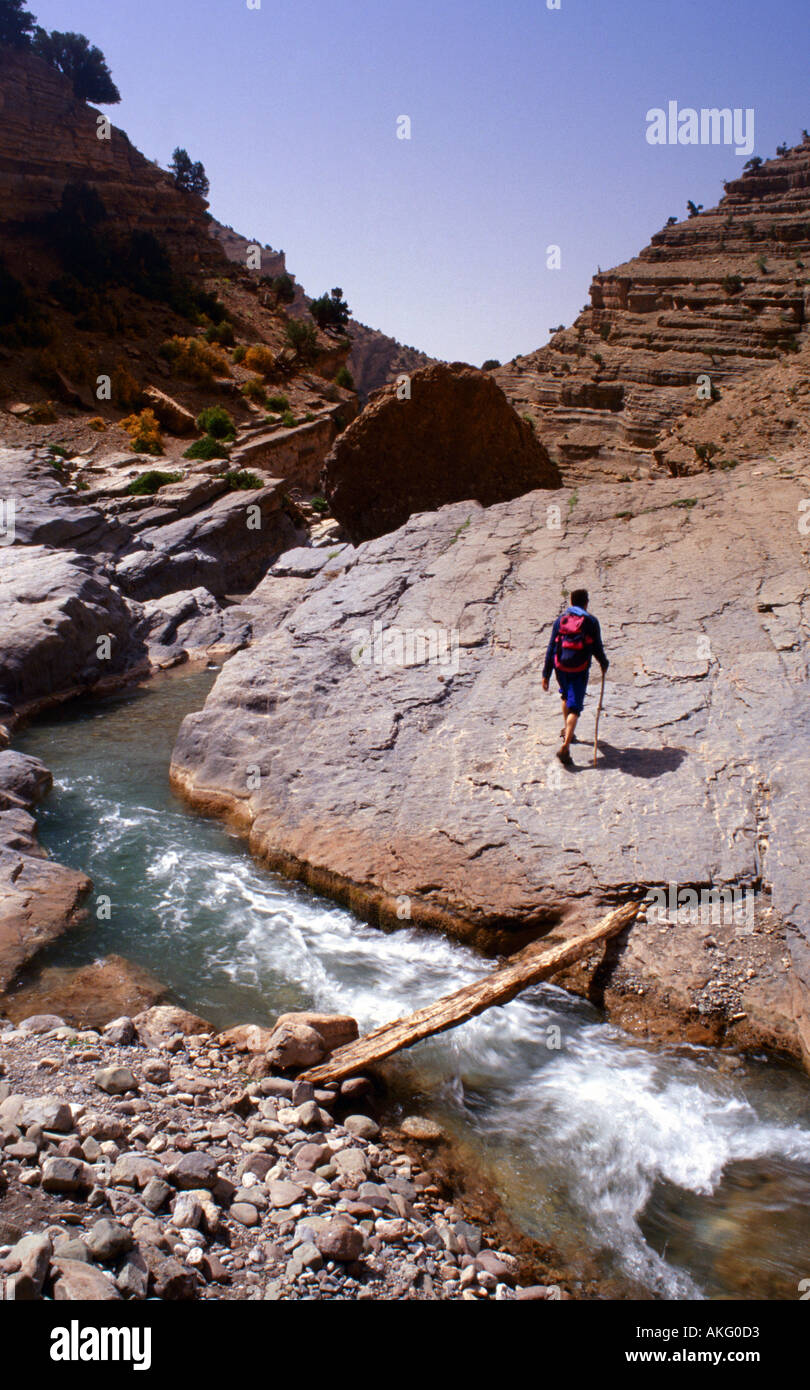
x=575 y=638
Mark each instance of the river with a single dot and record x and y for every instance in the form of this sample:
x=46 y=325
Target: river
x=660 y=1170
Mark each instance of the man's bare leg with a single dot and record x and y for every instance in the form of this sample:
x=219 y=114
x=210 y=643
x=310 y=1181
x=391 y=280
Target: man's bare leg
x=565 y=715
x=570 y=725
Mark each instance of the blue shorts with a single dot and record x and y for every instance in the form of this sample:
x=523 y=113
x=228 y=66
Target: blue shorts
x=573 y=685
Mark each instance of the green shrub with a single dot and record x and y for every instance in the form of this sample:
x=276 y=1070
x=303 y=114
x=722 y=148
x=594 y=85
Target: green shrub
x=241 y=480
x=207 y=448
x=80 y=61
x=189 y=175
x=288 y=419
x=221 y=333
x=152 y=481
x=278 y=403
x=216 y=421
x=319 y=504
x=254 y=391
x=281 y=286
x=490 y=364
x=303 y=338
x=239 y=353
x=344 y=378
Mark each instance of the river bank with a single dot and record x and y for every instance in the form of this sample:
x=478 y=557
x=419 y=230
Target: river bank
x=672 y=1171
x=143 y=1161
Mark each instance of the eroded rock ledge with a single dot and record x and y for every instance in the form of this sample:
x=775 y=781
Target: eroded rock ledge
x=431 y=789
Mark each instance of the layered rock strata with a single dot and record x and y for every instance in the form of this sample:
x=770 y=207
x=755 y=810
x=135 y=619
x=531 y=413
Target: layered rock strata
x=718 y=296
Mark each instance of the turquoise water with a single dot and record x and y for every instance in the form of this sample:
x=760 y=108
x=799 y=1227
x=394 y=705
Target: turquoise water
x=655 y=1169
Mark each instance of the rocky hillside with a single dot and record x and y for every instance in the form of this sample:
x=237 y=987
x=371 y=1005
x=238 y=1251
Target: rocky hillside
x=114 y=295
x=721 y=295
x=374 y=359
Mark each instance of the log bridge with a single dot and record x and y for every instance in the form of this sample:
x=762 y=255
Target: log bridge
x=526 y=967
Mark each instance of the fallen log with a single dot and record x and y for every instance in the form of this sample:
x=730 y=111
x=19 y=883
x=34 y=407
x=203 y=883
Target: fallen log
x=527 y=967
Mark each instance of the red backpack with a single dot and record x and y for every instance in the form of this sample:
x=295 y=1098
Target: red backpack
x=573 y=643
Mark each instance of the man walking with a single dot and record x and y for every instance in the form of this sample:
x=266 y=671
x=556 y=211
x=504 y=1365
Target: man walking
x=575 y=638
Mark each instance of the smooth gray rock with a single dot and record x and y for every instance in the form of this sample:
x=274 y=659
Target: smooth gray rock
x=194 y=623
x=46 y=514
x=702 y=588
x=219 y=547
x=57 y=609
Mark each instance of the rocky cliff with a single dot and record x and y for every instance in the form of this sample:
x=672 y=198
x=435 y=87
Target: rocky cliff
x=48 y=139
x=375 y=359
x=721 y=295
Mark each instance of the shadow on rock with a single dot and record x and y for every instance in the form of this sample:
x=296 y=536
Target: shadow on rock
x=641 y=762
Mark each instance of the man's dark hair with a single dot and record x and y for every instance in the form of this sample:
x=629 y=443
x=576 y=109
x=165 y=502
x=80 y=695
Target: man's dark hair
x=579 y=598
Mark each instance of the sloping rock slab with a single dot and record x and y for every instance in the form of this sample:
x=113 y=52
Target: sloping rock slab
x=226 y=547
x=89 y=996
x=457 y=436
x=429 y=786
x=54 y=607
x=45 y=513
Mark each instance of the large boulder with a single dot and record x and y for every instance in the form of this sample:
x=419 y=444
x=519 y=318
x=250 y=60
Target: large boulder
x=194 y=624
x=23 y=780
x=456 y=436
x=64 y=627
x=426 y=788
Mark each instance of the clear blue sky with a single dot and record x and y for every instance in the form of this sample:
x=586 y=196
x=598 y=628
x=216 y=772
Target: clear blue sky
x=528 y=128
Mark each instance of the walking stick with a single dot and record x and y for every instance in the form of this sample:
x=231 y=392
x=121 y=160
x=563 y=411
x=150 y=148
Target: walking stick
x=598 y=712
